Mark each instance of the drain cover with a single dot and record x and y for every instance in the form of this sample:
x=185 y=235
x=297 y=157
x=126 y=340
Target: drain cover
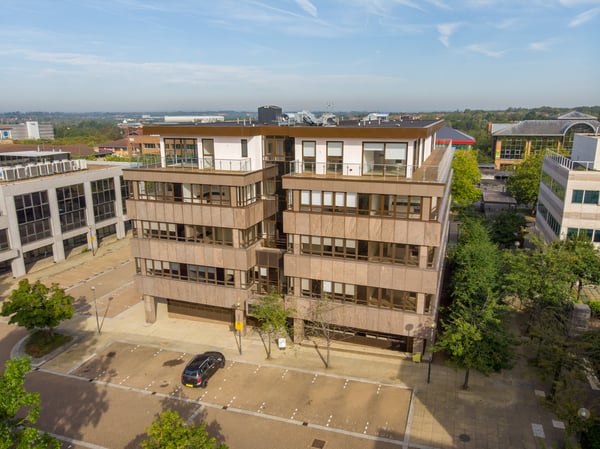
x=318 y=444
x=464 y=437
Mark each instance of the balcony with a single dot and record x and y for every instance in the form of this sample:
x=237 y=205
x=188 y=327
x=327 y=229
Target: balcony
x=243 y=165
x=435 y=169
x=569 y=163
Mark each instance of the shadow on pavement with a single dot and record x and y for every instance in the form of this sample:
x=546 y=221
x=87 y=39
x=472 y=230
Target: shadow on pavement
x=193 y=413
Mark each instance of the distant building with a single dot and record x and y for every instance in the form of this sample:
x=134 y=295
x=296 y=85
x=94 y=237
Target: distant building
x=51 y=206
x=569 y=196
x=27 y=131
x=459 y=140
x=194 y=118
x=513 y=142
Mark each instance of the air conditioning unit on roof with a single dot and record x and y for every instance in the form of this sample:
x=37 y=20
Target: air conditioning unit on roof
x=34 y=171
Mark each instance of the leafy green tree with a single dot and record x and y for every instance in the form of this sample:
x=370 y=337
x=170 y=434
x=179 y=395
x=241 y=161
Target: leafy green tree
x=272 y=314
x=35 y=306
x=524 y=184
x=473 y=331
x=19 y=410
x=475 y=337
x=507 y=227
x=583 y=259
x=466 y=177
x=169 y=431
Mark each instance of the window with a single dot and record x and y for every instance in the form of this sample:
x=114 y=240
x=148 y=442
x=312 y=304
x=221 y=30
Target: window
x=33 y=215
x=309 y=156
x=71 y=207
x=244 y=147
x=577 y=196
x=590 y=197
x=335 y=157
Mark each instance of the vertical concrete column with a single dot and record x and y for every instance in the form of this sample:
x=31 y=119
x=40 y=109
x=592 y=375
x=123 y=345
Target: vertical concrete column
x=17 y=265
x=58 y=249
x=418 y=344
x=150 y=308
x=120 y=225
x=420 y=303
x=89 y=213
x=298 y=330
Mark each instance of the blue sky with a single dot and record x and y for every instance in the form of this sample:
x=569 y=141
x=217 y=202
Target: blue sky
x=376 y=55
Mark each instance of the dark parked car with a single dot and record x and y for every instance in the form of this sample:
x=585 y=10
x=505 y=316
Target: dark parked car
x=201 y=368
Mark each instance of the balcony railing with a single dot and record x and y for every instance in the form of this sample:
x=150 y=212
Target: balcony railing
x=395 y=171
x=204 y=164
x=570 y=164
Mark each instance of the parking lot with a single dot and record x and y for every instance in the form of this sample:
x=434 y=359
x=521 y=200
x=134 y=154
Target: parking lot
x=328 y=401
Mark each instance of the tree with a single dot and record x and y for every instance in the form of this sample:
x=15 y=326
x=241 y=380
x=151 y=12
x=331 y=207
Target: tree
x=466 y=177
x=169 y=431
x=473 y=331
x=524 y=184
x=20 y=409
x=507 y=228
x=475 y=337
x=272 y=314
x=35 y=306
x=583 y=260
x=322 y=324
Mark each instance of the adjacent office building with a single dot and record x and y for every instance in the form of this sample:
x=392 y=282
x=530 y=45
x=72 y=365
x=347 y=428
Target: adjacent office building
x=354 y=214
x=569 y=197
x=52 y=206
x=513 y=142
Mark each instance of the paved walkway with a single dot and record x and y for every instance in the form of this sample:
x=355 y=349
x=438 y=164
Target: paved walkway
x=500 y=411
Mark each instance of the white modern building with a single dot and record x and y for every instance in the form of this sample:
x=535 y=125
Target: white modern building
x=569 y=197
x=52 y=206
x=29 y=130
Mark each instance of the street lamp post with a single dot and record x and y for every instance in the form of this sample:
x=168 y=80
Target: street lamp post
x=430 y=353
x=96 y=308
x=583 y=414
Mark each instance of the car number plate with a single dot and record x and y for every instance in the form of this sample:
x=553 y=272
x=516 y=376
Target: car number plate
x=189 y=385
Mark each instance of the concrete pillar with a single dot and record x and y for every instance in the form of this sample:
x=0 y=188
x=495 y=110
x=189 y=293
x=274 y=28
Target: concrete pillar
x=58 y=249
x=298 y=330
x=120 y=225
x=150 y=308
x=418 y=344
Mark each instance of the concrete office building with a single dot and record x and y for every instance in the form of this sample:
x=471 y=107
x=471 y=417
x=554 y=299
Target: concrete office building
x=569 y=197
x=356 y=213
x=51 y=206
x=513 y=142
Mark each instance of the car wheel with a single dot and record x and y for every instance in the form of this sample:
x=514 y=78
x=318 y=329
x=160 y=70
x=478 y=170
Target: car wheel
x=204 y=383
x=222 y=364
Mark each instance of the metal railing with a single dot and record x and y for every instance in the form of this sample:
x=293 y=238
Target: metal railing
x=205 y=164
x=570 y=164
x=396 y=171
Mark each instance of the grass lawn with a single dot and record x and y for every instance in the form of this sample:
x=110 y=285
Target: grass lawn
x=43 y=342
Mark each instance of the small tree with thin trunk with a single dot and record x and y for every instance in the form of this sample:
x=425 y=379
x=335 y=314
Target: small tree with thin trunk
x=322 y=324
x=272 y=313
x=35 y=306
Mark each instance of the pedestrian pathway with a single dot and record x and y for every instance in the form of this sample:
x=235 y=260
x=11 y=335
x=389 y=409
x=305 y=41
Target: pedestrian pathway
x=501 y=411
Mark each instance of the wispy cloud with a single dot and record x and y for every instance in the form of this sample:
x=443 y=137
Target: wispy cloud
x=539 y=46
x=382 y=7
x=478 y=48
x=446 y=30
x=584 y=17
x=307 y=6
